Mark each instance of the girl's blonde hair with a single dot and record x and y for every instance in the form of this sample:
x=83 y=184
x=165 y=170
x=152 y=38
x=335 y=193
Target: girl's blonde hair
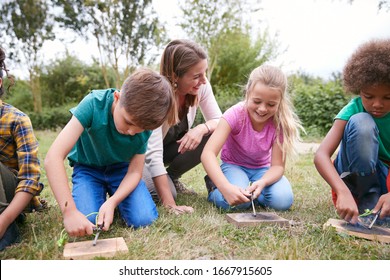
x=285 y=119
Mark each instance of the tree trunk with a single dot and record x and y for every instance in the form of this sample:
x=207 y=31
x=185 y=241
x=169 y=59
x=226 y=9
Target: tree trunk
x=36 y=91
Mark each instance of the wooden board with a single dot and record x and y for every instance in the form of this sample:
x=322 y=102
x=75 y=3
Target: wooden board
x=375 y=233
x=85 y=250
x=247 y=219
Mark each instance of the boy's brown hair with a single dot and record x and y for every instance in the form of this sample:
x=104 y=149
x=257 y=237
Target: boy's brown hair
x=369 y=65
x=148 y=97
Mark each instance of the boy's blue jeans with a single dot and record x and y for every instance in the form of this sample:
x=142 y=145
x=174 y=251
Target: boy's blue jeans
x=358 y=152
x=92 y=184
x=278 y=196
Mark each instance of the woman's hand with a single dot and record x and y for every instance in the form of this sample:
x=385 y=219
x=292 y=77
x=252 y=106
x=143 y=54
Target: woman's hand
x=178 y=210
x=191 y=140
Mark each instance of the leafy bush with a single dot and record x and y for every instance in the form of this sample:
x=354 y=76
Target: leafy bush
x=317 y=104
x=20 y=96
x=51 y=118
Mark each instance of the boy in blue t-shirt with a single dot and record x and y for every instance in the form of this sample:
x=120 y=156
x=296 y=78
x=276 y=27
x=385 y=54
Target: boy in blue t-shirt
x=359 y=175
x=105 y=142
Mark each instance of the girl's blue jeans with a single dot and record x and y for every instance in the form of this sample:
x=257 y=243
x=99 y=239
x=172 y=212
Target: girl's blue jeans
x=358 y=151
x=91 y=185
x=278 y=196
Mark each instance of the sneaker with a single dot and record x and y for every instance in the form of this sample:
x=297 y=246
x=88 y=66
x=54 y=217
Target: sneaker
x=10 y=237
x=209 y=184
x=181 y=188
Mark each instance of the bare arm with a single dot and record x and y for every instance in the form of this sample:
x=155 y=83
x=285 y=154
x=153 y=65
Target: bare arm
x=273 y=174
x=345 y=205
x=17 y=205
x=164 y=192
x=128 y=184
x=76 y=224
x=233 y=194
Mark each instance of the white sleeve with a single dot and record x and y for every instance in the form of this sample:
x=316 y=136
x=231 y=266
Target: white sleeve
x=154 y=154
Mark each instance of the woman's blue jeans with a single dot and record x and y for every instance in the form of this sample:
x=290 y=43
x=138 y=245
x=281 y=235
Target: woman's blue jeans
x=358 y=151
x=91 y=185
x=278 y=196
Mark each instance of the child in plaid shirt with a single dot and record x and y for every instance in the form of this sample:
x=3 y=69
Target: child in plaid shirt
x=19 y=166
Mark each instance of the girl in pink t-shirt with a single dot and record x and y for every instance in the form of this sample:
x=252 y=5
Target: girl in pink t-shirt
x=255 y=136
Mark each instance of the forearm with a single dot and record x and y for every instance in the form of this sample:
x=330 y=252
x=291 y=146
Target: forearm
x=161 y=184
x=273 y=174
x=126 y=187
x=213 y=170
x=16 y=207
x=327 y=170
x=58 y=181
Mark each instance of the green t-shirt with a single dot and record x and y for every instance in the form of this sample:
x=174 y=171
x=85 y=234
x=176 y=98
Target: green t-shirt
x=356 y=106
x=101 y=144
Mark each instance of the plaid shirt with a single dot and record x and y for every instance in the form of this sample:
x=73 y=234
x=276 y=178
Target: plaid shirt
x=19 y=149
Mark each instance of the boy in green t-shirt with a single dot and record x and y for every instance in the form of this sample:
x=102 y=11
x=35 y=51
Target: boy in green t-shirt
x=359 y=175
x=105 y=142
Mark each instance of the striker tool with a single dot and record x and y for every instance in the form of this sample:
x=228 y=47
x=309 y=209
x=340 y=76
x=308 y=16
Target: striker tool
x=98 y=230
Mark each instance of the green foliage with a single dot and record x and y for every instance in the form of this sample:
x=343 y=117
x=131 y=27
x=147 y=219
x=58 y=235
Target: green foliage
x=20 y=96
x=212 y=24
x=317 y=103
x=238 y=56
x=125 y=31
x=69 y=79
x=51 y=118
x=28 y=25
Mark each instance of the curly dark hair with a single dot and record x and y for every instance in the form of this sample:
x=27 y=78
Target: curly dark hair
x=369 y=65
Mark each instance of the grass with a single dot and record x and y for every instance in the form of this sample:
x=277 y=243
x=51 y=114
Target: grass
x=206 y=234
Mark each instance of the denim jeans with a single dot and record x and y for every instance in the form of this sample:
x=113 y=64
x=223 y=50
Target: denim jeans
x=92 y=184
x=358 y=152
x=278 y=196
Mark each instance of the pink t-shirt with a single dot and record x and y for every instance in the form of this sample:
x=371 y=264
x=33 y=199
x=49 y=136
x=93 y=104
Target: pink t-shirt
x=244 y=145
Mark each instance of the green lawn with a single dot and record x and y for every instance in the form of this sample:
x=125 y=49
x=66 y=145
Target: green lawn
x=206 y=234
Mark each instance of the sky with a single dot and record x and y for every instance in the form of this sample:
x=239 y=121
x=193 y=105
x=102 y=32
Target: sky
x=316 y=36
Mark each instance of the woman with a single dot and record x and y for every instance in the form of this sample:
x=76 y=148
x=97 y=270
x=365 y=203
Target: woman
x=172 y=151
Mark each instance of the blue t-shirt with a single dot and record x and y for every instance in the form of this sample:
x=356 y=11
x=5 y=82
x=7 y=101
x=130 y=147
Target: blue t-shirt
x=101 y=144
x=356 y=106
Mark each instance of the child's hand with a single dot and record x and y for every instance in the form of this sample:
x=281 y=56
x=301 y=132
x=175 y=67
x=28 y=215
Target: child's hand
x=346 y=208
x=106 y=214
x=236 y=195
x=76 y=224
x=256 y=187
x=384 y=204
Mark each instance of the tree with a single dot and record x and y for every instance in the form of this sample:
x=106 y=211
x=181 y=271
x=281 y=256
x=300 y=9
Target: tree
x=68 y=79
x=207 y=21
x=382 y=4
x=239 y=55
x=27 y=25
x=125 y=30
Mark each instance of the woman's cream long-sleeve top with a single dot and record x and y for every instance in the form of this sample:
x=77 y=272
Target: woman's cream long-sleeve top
x=210 y=111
